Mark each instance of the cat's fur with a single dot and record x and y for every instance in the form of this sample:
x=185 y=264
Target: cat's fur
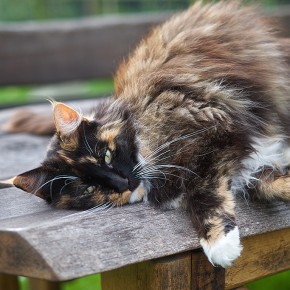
x=200 y=113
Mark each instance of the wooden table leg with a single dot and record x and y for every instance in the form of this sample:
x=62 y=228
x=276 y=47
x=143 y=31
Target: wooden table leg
x=170 y=273
x=186 y=271
x=8 y=282
x=40 y=284
x=204 y=276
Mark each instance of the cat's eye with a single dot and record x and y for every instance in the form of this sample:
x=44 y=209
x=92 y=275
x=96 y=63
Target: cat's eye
x=108 y=157
x=89 y=190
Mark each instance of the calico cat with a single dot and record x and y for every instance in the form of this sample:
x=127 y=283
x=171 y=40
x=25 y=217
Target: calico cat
x=200 y=114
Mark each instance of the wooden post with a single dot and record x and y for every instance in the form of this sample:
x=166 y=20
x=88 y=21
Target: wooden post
x=263 y=255
x=8 y=282
x=170 y=273
x=204 y=275
x=40 y=284
x=186 y=271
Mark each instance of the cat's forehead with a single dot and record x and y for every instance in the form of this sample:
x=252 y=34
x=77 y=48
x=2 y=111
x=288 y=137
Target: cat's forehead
x=90 y=132
x=109 y=134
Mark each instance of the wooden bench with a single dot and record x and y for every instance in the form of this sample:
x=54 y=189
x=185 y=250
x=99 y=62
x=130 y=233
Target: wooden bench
x=134 y=247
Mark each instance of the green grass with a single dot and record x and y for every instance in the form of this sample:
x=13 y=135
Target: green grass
x=100 y=87
x=11 y=95
x=280 y=281
x=14 y=94
x=88 y=283
x=92 y=282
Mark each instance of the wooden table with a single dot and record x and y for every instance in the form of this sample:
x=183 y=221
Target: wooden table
x=135 y=247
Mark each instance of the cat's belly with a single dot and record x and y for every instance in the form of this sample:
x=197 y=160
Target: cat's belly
x=270 y=152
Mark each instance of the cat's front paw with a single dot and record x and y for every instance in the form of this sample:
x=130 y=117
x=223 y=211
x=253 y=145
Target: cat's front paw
x=225 y=250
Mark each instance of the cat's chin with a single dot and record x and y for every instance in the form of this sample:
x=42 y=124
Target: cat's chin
x=225 y=250
x=139 y=194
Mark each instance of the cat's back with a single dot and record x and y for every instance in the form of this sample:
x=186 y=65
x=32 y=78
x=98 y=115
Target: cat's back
x=206 y=50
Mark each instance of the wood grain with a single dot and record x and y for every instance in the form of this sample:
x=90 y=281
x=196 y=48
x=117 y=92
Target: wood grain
x=263 y=255
x=170 y=273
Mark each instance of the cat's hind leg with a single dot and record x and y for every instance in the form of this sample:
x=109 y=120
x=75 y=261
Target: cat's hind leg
x=272 y=184
x=214 y=217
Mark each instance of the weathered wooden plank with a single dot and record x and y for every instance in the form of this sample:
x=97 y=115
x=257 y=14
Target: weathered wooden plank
x=8 y=282
x=61 y=245
x=170 y=273
x=81 y=244
x=263 y=255
x=65 y=50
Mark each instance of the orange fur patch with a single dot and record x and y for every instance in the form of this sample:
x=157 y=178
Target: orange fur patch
x=109 y=135
x=98 y=198
x=120 y=199
x=63 y=201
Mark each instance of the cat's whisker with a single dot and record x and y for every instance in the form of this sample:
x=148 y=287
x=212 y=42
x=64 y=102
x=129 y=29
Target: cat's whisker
x=177 y=167
x=87 y=212
x=99 y=207
x=66 y=184
x=87 y=145
x=145 y=170
x=110 y=207
x=156 y=174
x=166 y=144
x=54 y=179
x=153 y=154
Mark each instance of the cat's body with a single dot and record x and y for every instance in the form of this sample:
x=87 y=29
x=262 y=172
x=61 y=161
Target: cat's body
x=201 y=113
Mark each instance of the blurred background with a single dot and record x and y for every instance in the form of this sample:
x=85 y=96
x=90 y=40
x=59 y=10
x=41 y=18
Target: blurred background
x=41 y=58
x=50 y=48
x=25 y=10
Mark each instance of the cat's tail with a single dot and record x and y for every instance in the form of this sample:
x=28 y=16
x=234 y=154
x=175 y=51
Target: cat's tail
x=28 y=121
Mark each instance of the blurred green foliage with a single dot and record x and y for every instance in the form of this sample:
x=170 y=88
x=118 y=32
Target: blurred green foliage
x=92 y=282
x=21 y=10
x=10 y=95
x=280 y=281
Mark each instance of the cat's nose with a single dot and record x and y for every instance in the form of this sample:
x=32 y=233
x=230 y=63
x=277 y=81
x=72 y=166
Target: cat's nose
x=121 y=184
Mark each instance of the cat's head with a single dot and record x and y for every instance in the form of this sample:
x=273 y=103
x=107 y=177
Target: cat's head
x=90 y=160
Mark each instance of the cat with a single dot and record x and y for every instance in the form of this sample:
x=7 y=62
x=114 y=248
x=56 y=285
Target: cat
x=200 y=114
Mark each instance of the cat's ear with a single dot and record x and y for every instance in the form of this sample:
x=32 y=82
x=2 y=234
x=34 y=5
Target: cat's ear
x=30 y=181
x=66 y=119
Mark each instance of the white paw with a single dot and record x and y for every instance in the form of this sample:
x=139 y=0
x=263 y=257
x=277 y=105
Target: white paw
x=139 y=193
x=225 y=250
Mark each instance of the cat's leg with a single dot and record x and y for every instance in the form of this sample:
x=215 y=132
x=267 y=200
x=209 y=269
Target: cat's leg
x=272 y=184
x=213 y=215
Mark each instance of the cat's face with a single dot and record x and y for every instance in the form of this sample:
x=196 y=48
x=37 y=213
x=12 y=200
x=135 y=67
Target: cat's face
x=90 y=161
